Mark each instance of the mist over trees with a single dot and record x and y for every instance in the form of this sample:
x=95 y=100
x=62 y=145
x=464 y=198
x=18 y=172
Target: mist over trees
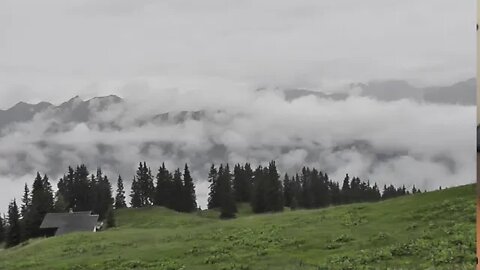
x=263 y=188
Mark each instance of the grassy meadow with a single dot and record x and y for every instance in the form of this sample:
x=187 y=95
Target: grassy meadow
x=434 y=230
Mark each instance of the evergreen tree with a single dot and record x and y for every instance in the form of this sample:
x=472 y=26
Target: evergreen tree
x=287 y=191
x=41 y=203
x=376 y=195
x=335 y=193
x=104 y=197
x=47 y=194
x=177 y=191
x=242 y=183
x=274 y=189
x=135 y=196
x=120 y=196
x=146 y=187
x=189 y=197
x=163 y=189
x=66 y=188
x=306 y=189
x=346 y=190
x=94 y=190
x=82 y=190
x=227 y=200
x=213 y=200
x=26 y=201
x=258 y=200
x=13 y=236
x=60 y=205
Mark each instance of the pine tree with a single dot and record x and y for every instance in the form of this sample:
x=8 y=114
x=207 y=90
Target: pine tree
x=242 y=183
x=163 y=189
x=306 y=200
x=47 y=194
x=120 y=196
x=258 y=200
x=66 y=188
x=146 y=187
x=346 y=190
x=104 y=197
x=227 y=200
x=213 y=200
x=82 y=190
x=60 y=205
x=287 y=191
x=13 y=236
x=189 y=197
x=41 y=203
x=177 y=191
x=274 y=189
x=26 y=201
x=135 y=196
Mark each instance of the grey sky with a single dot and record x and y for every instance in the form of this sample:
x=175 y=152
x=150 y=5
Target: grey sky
x=52 y=50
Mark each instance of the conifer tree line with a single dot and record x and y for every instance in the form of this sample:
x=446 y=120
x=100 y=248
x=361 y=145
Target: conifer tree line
x=175 y=190
x=263 y=188
x=77 y=190
x=266 y=192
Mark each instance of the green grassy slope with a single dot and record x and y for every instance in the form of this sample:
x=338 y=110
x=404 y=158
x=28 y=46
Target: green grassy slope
x=434 y=230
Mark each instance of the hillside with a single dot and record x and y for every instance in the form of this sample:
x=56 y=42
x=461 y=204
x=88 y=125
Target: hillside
x=432 y=230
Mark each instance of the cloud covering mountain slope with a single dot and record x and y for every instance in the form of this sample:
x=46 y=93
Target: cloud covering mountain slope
x=401 y=141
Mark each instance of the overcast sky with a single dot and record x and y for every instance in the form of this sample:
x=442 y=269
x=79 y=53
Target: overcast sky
x=207 y=55
x=53 y=50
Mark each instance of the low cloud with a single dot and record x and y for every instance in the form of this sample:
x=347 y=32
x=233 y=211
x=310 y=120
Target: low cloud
x=400 y=142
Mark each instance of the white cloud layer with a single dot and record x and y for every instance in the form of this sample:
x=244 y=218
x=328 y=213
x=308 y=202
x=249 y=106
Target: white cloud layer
x=400 y=142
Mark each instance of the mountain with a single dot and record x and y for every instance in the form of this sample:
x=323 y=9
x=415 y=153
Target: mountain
x=434 y=230
x=73 y=111
x=292 y=94
x=21 y=112
x=77 y=110
x=461 y=93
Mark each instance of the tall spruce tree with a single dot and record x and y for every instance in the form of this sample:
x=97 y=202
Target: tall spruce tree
x=60 y=204
x=13 y=235
x=82 y=190
x=242 y=183
x=178 y=191
x=258 y=200
x=163 y=188
x=189 y=197
x=306 y=185
x=26 y=201
x=135 y=196
x=227 y=200
x=104 y=197
x=213 y=195
x=274 y=191
x=346 y=190
x=146 y=187
x=120 y=194
x=41 y=203
x=66 y=188
x=287 y=190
